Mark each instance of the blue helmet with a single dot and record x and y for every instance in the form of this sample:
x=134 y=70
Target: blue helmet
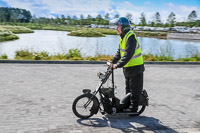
x=124 y=22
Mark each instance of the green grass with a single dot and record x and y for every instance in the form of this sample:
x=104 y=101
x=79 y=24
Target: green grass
x=150 y=57
x=194 y=58
x=60 y=28
x=4 y=56
x=162 y=35
x=7 y=32
x=86 y=33
x=7 y=35
x=15 y=29
x=75 y=54
x=105 y=31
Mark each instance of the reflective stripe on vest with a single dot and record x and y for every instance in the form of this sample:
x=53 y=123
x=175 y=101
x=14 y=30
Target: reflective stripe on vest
x=137 y=57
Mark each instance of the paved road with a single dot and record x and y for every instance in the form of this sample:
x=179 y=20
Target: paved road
x=37 y=99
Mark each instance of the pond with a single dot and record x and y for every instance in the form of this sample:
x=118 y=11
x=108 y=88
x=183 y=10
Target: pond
x=55 y=42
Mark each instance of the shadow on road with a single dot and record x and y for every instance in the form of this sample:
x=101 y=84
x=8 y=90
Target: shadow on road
x=126 y=124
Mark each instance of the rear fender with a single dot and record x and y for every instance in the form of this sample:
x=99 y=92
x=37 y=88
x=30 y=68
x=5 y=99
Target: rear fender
x=144 y=99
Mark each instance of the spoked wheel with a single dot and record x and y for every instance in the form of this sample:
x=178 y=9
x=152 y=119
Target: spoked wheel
x=80 y=108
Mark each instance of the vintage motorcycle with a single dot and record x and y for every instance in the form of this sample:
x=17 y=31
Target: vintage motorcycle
x=87 y=104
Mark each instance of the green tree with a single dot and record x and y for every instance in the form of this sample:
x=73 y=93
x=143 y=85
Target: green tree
x=152 y=24
x=171 y=19
x=107 y=19
x=74 y=20
x=58 y=21
x=62 y=19
x=157 y=19
x=89 y=19
x=99 y=19
x=81 y=19
x=142 y=20
x=107 y=16
x=69 y=20
x=2 y=15
x=129 y=16
x=192 y=16
x=116 y=16
x=52 y=21
x=197 y=23
x=14 y=15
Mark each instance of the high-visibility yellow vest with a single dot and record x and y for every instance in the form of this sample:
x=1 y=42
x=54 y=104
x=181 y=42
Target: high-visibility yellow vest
x=137 y=56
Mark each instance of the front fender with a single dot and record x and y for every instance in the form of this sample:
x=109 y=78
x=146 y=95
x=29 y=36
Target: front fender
x=96 y=105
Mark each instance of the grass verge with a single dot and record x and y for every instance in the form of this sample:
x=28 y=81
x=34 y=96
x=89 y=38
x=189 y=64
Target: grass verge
x=86 y=33
x=15 y=29
x=160 y=35
x=75 y=54
x=7 y=35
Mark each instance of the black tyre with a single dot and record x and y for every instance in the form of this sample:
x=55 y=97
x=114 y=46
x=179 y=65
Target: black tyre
x=79 y=109
x=141 y=109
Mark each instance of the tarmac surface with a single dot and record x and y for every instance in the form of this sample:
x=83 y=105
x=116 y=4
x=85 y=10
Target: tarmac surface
x=37 y=98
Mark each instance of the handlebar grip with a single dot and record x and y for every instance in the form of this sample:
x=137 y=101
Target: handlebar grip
x=108 y=63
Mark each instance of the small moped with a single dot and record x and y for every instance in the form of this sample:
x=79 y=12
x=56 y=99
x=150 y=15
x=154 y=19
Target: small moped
x=88 y=104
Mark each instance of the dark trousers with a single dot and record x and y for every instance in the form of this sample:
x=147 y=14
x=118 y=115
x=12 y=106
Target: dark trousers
x=135 y=86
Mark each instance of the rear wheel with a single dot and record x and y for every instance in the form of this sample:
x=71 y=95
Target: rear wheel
x=141 y=109
x=79 y=108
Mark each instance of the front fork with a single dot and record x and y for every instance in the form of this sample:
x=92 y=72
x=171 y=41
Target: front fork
x=96 y=104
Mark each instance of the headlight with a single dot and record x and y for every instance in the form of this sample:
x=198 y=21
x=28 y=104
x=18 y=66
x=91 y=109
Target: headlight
x=100 y=75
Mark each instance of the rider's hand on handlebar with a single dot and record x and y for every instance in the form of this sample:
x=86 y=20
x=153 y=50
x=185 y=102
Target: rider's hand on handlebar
x=114 y=66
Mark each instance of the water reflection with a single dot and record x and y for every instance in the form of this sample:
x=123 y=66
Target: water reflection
x=58 y=42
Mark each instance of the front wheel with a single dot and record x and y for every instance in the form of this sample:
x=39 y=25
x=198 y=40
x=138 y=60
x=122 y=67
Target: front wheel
x=79 y=106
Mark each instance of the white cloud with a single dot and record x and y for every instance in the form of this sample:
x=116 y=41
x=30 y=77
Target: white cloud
x=147 y=2
x=66 y=7
x=74 y=7
x=94 y=7
x=181 y=11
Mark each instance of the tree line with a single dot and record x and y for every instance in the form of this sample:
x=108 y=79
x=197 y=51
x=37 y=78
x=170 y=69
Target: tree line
x=74 y=20
x=21 y=15
x=192 y=20
x=14 y=15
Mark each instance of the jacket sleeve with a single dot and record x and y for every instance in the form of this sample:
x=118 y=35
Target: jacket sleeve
x=117 y=57
x=129 y=51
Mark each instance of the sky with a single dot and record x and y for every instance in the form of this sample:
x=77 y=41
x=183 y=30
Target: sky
x=52 y=8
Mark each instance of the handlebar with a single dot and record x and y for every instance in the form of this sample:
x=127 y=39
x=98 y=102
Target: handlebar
x=108 y=63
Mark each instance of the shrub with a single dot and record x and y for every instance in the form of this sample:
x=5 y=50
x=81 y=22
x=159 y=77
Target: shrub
x=58 y=57
x=41 y=56
x=73 y=53
x=7 y=35
x=24 y=54
x=150 y=57
x=86 y=33
x=4 y=56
